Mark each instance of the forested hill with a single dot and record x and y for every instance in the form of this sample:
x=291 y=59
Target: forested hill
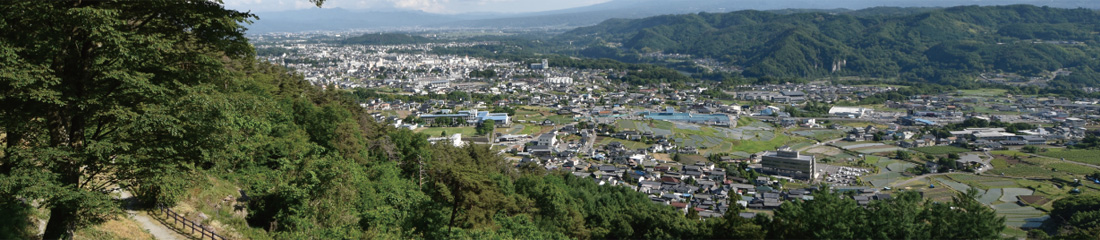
x=929 y=44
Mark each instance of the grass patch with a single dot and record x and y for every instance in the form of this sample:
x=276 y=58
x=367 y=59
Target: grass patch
x=532 y=129
x=984 y=92
x=1076 y=155
x=863 y=125
x=626 y=143
x=754 y=146
x=437 y=131
x=821 y=135
x=560 y=119
x=940 y=150
x=1072 y=168
x=745 y=121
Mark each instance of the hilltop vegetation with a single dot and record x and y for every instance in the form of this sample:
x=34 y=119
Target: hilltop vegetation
x=947 y=45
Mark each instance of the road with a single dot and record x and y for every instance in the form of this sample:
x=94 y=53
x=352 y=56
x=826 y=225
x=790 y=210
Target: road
x=148 y=223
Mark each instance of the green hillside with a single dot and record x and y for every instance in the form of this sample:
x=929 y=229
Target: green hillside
x=935 y=45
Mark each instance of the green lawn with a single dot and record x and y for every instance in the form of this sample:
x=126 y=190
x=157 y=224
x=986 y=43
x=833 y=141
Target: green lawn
x=436 y=131
x=940 y=150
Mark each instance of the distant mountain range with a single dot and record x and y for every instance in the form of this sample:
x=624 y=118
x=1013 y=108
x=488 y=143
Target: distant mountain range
x=344 y=19
x=931 y=44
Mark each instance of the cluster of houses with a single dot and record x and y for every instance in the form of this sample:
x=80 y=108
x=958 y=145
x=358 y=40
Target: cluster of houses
x=814 y=92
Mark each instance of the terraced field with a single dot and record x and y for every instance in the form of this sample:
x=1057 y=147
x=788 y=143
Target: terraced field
x=890 y=170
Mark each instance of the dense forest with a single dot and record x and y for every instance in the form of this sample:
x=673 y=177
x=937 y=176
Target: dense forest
x=161 y=97
x=928 y=45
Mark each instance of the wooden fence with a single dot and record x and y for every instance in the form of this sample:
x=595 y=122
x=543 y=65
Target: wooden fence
x=176 y=218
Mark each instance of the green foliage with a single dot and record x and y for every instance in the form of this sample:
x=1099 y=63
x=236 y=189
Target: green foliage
x=830 y=216
x=486 y=127
x=1077 y=217
x=487 y=73
x=902 y=154
x=105 y=94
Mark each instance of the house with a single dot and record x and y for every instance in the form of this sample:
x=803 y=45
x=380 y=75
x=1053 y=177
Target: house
x=547 y=139
x=968 y=160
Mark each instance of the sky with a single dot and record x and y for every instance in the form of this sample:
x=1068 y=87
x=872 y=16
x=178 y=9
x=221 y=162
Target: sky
x=432 y=6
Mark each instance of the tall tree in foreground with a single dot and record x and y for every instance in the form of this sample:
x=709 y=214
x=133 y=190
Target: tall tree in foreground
x=92 y=94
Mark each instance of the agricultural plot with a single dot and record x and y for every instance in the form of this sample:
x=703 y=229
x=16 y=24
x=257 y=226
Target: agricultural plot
x=957 y=186
x=1076 y=155
x=802 y=145
x=626 y=143
x=1010 y=194
x=990 y=196
x=1020 y=216
x=820 y=135
x=861 y=145
x=883 y=179
x=890 y=170
x=1017 y=165
x=877 y=149
x=939 y=194
x=1072 y=168
x=1015 y=215
x=984 y=92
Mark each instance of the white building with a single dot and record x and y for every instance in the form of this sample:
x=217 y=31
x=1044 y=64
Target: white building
x=560 y=80
x=850 y=112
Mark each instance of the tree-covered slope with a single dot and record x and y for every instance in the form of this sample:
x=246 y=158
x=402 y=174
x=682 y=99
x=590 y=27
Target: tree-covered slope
x=929 y=44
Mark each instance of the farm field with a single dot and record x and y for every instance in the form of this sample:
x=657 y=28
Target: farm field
x=876 y=149
x=1003 y=200
x=1076 y=155
x=984 y=92
x=626 y=143
x=820 y=135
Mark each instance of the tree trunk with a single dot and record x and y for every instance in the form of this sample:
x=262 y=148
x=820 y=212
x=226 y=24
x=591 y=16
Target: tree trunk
x=58 y=225
x=62 y=214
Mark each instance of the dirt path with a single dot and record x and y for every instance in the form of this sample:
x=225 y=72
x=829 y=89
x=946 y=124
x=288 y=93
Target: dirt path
x=148 y=223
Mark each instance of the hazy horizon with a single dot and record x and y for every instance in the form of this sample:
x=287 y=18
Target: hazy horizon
x=430 y=6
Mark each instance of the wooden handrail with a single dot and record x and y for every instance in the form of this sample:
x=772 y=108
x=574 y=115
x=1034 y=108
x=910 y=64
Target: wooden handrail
x=177 y=218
